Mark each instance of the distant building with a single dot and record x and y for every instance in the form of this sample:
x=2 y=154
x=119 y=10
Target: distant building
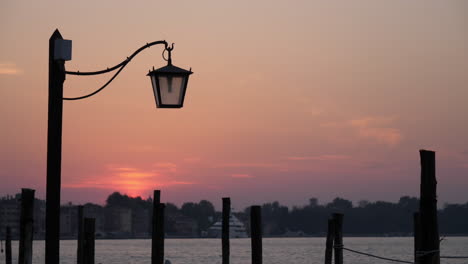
x=68 y=220
x=140 y=223
x=10 y=215
x=97 y=212
x=184 y=226
x=119 y=220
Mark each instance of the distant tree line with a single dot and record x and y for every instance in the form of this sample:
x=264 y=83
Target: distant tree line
x=367 y=218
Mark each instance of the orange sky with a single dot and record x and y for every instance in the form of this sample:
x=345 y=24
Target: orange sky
x=289 y=100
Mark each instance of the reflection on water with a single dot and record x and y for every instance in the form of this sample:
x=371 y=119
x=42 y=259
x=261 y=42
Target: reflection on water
x=275 y=250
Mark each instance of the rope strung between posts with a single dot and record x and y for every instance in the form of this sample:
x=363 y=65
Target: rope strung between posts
x=454 y=257
x=371 y=255
x=419 y=254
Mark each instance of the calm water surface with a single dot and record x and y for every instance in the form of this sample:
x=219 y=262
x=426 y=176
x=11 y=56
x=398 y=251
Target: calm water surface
x=275 y=250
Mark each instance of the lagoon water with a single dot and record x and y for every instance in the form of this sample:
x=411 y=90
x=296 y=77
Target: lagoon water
x=275 y=250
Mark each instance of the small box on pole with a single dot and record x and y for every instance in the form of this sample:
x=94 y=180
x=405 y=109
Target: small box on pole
x=63 y=49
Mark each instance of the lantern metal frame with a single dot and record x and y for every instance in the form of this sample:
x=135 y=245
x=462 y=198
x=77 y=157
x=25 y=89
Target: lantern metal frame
x=169 y=71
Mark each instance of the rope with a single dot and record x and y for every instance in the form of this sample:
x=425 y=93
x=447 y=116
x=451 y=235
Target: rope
x=424 y=253
x=454 y=257
x=419 y=254
x=374 y=256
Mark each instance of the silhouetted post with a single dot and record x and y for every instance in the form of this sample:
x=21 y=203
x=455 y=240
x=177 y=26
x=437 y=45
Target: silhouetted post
x=338 y=219
x=256 y=233
x=225 y=229
x=428 y=209
x=88 y=245
x=8 y=246
x=54 y=153
x=154 y=232
x=158 y=258
x=329 y=243
x=80 y=253
x=417 y=236
x=26 y=226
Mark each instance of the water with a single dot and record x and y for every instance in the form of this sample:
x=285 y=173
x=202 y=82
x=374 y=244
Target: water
x=275 y=250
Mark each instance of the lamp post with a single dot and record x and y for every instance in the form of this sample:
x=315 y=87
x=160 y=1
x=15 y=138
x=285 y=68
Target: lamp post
x=169 y=86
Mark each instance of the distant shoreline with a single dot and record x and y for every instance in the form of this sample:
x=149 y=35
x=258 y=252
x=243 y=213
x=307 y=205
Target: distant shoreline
x=345 y=236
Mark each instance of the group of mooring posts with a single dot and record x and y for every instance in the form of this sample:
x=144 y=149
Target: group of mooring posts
x=255 y=232
x=26 y=230
x=86 y=232
x=426 y=231
x=426 y=234
x=157 y=247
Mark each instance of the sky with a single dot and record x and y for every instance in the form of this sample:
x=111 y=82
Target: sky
x=289 y=100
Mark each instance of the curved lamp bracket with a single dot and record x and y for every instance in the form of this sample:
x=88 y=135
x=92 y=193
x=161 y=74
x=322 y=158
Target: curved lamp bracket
x=119 y=66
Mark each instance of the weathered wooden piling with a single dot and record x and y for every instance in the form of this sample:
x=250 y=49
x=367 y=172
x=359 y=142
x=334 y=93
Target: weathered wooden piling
x=417 y=236
x=329 y=242
x=88 y=243
x=26 y=226
x=338 y=241
x=154 y=224
x=428 y=210
x=159 y=232
x=80 y=252
x=256 y=233
x=8 y=245
x=225 y=229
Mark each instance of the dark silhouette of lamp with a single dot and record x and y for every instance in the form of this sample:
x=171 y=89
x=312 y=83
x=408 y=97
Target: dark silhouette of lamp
x=169 y=84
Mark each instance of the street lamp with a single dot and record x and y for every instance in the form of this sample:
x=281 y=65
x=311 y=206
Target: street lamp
x=169 y=87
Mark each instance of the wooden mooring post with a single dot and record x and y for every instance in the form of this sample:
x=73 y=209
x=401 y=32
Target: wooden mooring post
x=256 y=233
x=88 y=243
x=155 y=247
x=338 y=241
x=428 y=210
x=80 y=235
x=26 y=226
x=225 y=229
x=8 y=245
x=158 y=258
x=329 y=242
x=417 y=236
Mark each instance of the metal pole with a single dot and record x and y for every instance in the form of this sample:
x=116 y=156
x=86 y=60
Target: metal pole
x=428 y=209
x=54 y=154
x=26 y=226
x=225 y=229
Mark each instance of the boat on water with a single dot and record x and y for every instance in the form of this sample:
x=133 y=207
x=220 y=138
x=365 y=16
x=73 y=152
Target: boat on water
x=236 y=228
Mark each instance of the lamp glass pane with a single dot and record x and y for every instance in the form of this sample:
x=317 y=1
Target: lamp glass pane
x=155 y=90
x=171 y=89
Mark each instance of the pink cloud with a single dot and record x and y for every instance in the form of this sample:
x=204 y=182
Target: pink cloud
x=377 y=128
x=9 y=69
x=241 y=175
x=319 y=158
x=246 y=165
